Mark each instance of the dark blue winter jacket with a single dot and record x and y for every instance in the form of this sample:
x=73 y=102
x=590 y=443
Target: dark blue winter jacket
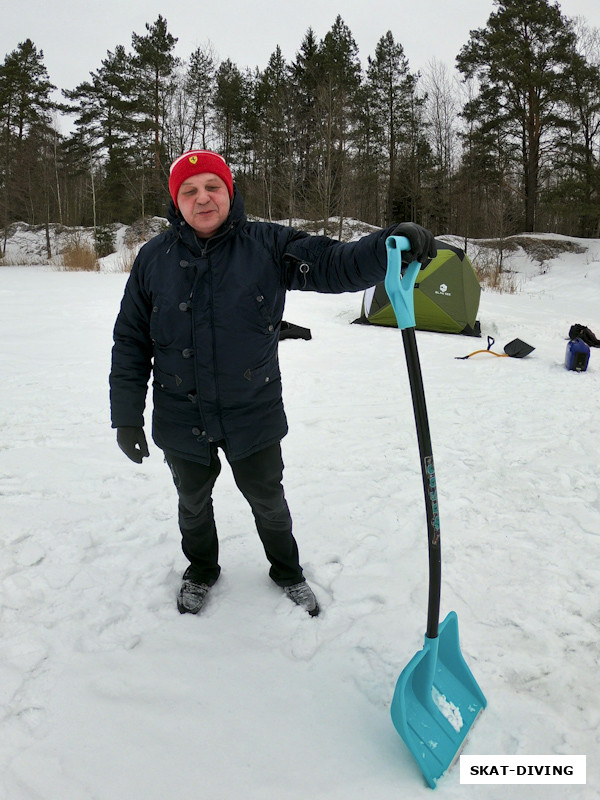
x=204 y=317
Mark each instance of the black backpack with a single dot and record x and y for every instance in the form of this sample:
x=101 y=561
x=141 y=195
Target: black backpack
x=585 y=334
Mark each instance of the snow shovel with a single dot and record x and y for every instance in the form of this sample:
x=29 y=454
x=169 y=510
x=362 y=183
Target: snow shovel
x=437 y=699
x=514 y=349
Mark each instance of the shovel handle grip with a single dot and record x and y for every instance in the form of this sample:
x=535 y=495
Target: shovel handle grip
x=400 y=281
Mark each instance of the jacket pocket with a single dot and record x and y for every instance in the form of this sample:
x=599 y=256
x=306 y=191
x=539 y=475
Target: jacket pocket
x=261 y=315
x=170 y=382
x=265 y=373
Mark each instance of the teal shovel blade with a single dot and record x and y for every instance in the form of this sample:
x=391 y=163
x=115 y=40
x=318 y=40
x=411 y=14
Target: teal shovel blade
x=436 y=702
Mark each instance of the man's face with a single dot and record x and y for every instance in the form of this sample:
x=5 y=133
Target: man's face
x=204 y=203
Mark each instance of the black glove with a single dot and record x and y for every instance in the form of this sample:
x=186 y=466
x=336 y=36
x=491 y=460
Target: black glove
x=422 y=244
x=132 y=442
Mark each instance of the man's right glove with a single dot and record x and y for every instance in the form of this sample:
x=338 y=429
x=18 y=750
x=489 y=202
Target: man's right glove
x=422 y=243
x=132 y=442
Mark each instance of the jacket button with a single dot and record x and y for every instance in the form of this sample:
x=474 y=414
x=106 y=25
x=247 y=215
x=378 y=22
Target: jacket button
x=183 y=306
x=184 y=263
x=260 y=298
x=187 y=353
x=196 y=431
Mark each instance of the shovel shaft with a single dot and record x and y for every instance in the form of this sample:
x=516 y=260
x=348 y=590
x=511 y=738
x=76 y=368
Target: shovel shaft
x=429 y=480
x=399 y=284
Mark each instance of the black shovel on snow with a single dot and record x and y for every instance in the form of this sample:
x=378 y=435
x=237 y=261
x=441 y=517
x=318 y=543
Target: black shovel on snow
x=514 y=349
x=437 y=699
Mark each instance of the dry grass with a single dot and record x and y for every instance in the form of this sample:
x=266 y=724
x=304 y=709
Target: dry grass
x=543 y=249
x=78 y=256
x=488 y=259
x=488 y=256
x=11 y=261
x=487 y=263
x=125 y=259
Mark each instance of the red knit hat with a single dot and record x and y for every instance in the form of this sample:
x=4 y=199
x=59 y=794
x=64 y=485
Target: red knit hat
x=195 y=162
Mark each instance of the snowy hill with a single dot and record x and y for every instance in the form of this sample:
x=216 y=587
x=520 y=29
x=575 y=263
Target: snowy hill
x=108 y=693
x=30 y=244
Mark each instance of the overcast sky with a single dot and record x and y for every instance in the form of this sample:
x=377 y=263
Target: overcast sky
x=75 y=36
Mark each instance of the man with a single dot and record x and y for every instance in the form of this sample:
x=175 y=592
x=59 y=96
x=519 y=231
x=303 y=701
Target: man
x=202 y=310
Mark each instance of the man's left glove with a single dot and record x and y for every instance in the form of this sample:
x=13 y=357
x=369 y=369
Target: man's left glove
x=422 y=243
x=132 y=442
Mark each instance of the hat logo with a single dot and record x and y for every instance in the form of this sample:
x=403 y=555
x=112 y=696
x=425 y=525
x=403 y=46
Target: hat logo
x=193 y=159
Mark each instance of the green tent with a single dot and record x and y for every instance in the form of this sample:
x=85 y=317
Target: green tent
x=446 y=296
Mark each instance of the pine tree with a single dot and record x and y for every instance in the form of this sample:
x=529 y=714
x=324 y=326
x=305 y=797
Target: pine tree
x=576 y=188
x=305 y=78
x=520 y=60
x=336 y=96
x=391 y=88
x=274 y=141
x=103 y=144
x=25 y=120
x=199 y=88
x=229 y=104
x=368 y=169
x=155 y=67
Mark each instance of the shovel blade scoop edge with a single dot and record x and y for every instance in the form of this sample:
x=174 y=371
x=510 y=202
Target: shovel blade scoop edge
x=436 y=702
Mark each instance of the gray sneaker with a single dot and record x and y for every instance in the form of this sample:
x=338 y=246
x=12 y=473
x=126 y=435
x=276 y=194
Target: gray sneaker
x=303 y=596
x=191 y=595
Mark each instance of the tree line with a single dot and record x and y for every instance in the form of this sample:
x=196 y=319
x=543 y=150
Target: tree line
x=507 y=142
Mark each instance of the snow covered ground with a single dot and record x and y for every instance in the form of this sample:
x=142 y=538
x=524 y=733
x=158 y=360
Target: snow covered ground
x=108 y=693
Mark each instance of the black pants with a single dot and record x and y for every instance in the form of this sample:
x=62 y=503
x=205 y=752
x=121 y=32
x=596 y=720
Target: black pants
x=258 y=477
